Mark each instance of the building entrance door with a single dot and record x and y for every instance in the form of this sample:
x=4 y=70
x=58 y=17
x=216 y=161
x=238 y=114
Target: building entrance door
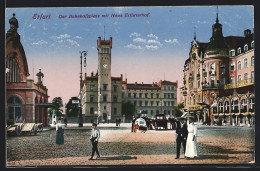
x=104 y=117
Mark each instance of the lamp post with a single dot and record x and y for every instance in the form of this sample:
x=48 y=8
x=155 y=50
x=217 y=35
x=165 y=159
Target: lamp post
x=80 y=118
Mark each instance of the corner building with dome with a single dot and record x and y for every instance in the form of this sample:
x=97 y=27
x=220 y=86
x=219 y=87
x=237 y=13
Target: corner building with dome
x=219 y=79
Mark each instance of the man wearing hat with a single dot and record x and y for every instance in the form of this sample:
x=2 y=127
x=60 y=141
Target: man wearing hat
x=182 y=134
x=94 y=140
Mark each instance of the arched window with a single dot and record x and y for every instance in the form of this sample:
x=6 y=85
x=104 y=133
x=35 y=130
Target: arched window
x=198 y=98
x=190 y=100
x=220 y=107
x=252 y=104
x=245 y=78
x=238 y=65
x=194 y=100
x=243 y=105
x=14 y=109
x=227 y=107
x=252 y=60
x=214 y=107
x=13 y=75
x=234 y=106
x=245 y=63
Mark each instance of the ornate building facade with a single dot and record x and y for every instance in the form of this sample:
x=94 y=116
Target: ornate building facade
x=102 y=94
x=219 y=79
x=24 y=99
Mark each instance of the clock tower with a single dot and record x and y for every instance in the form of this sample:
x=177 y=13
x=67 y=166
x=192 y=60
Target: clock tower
x=104 y=79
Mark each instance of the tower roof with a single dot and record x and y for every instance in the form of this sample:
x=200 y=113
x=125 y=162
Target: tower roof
x=217 y=40
x=13 y=21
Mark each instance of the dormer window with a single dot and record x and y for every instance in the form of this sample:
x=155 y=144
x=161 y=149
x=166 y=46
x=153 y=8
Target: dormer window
x=239 y=50
x=232 y=52
x=246 y=47
x=253 y=44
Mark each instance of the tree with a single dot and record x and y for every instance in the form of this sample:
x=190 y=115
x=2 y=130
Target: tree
x=128 y=109
x=57 y=102
x=72 y=109
x=178 y=109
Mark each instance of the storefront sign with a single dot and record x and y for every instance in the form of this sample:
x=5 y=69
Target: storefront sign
x=195 y=108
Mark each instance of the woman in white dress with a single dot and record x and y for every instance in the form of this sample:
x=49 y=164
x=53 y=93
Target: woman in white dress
x=191 y=144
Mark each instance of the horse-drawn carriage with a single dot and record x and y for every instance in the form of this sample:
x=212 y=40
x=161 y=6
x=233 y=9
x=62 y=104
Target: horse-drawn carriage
x=140 y=124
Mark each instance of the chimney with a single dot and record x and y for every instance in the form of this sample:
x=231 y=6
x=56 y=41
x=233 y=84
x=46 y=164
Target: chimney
x=92 y=74
x=110 y=42
x=247 y=32
x=121 y=75
x=126 y=80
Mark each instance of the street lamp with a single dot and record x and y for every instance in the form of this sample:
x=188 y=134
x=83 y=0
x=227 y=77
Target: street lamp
x=80 y=118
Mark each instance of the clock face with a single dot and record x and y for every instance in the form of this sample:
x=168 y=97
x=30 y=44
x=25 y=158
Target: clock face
x=105 y=65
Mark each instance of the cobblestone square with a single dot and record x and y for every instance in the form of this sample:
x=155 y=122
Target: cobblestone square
x=118 y=146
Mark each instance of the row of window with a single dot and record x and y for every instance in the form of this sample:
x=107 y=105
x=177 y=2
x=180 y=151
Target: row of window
x=152 y=95
x=239 y=64
x=239 y=78
x=13 y=74
x=92 y=111
x=154 y=103
x=235 y=106
x=115 y=87
x=168 y=87
x=104 y=50
x=232 y=52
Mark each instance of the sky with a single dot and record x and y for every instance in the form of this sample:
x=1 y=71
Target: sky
x=147 y=48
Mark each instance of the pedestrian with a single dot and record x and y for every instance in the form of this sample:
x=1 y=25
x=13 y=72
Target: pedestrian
x=119 y=121
x=182 y=133
x=59 y=133
x=116 y=122
x=133 y=123
x=65 y=121
x=94 y=140
x=191 y=145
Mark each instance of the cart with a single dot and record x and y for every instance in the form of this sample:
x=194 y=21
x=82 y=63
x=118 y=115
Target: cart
x=161 y=121
x=29 y=128
x=15 y=129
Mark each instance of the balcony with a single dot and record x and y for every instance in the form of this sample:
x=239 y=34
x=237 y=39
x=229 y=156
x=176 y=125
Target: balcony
x=242 y=83
x=213 y=87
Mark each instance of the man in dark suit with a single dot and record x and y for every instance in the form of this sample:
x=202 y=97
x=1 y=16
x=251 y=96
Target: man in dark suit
x=182 y=133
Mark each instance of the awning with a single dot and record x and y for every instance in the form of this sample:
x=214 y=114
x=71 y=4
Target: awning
x=48 y=105
x=204 y=105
